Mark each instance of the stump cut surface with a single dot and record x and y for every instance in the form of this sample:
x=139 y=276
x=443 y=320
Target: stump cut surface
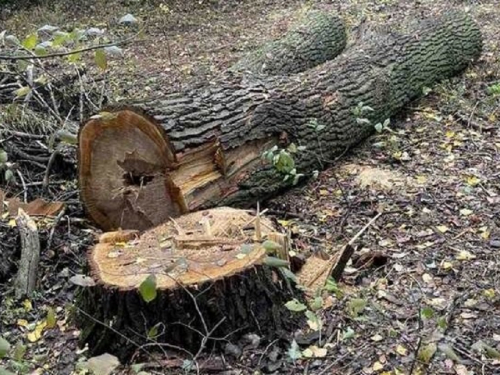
x=194 y=248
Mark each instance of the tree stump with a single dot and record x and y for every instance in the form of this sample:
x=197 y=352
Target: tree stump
x=212 y=282
x=143 y=163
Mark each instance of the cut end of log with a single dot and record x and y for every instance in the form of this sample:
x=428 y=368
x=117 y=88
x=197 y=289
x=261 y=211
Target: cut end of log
x=124 y=159
x=195 y=248
x=132 y=178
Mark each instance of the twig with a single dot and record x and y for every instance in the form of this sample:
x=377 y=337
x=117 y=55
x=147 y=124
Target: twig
x=52 y=231
x=25 y=191
x=351 y=242
x=49 y=166
x=61 y=54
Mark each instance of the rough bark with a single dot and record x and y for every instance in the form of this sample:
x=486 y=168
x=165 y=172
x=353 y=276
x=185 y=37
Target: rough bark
x=317 y=38
x=207 y=287
x=160 y=158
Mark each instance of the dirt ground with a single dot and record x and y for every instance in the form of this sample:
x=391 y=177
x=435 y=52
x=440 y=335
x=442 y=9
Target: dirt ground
x=428 y=271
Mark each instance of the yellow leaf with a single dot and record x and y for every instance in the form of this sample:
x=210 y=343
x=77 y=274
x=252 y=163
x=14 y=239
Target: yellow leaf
x=442 y=228
x=447 y=265
x=450 y=134
x=37 y=333
x=12 y=223
x=421 y=179
x=489 y=293
x=30 y=41
x=314 y=351
x=473 y=180
x=465 y=212
x=427 y=278
x=27 y=305
x=492 y=118
x=465 y=255
x=377 y=337
x=100 y=59
x=23 y=91
x=22 y=323
x=377 y=366
x=401 y=350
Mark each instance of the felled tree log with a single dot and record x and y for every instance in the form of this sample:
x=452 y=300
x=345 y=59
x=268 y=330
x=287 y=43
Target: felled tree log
x=317 y=38
x=212 y=282
x=143 y=163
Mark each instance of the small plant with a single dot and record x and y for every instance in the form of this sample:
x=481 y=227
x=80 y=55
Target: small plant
x=380 y=127
x=360 y=111
x=494 y=89
x=6 y=167
x=283 y=161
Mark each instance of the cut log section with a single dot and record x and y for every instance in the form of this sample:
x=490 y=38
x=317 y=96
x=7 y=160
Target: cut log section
x=212 y=281
x=318 y=37
x=141 y=164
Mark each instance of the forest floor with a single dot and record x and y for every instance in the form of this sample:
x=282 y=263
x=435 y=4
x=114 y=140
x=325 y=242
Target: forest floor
x=429 y=274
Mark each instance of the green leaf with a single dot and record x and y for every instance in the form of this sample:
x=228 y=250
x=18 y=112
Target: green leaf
x=67 y=137
x=450 y=353
x=442 y=323
x=426 y=352
x=292 y=148
x=316 y=304
x=314 y=321
x=9 y=175
x=137 y=367
x=148 y=288
x=40 y=51
x=275 y=262
x=289 y=274
x=481 y=347
x=4 y=347
x=30 y=42
x=294 y=352
x=284 y=162
x=3 y=157
x=19 y=351
x=271 y=246
x=356 y=306
x=348 y=334
x=23 y=91
x=100 y=59
x=74 y=57
x=427 y=312
x=51 y=318
x=295 y=305
x=378 y=127
x=153 y=332
x=60 y=38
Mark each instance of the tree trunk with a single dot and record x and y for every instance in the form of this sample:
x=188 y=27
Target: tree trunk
x=212 y=282
x=317 y=38
x=142 y=164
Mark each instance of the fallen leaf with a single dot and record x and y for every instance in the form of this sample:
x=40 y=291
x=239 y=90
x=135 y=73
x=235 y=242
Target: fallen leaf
x=465 y=255
x=314 y=352
x=442 y=228
x=401 y=350
x=465 y=212
x=104 y=364
x=36 y=334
